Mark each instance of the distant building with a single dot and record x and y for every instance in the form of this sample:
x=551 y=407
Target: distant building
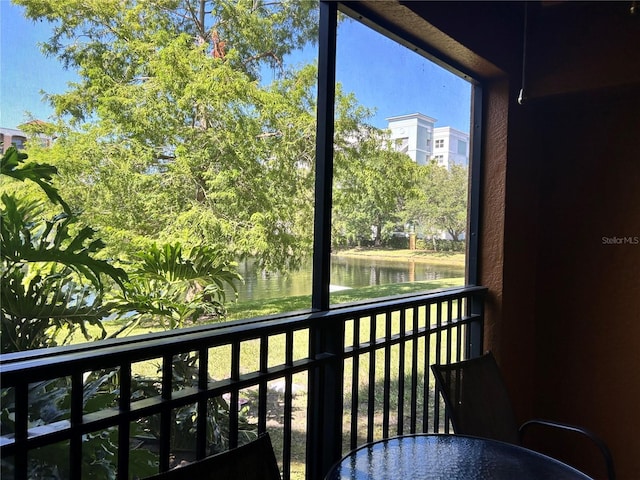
x=413 y=134
x=17 y=138
x=417 y=136
x=450 y=146
x=12 y=137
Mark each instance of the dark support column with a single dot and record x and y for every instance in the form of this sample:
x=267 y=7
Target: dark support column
x=324 y=155
x=474 y=338
x=324 y=445
x=475 y=179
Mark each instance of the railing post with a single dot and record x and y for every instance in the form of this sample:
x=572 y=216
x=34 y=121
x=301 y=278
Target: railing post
x=324 y=424
x=475 y=331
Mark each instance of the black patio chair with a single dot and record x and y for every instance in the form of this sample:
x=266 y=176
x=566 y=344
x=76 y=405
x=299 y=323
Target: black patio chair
x=252 y=461
x=478 y=404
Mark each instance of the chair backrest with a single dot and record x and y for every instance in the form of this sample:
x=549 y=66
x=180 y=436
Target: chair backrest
x=252 y=461
x=476 y=399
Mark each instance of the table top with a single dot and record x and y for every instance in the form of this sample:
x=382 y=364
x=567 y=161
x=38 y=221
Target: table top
x=451 y=457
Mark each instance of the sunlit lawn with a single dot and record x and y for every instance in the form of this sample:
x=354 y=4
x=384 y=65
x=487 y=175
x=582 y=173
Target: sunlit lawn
x=257 y=308
x=267 y=307
x=453 y=259
x=277 y=351
x=220 y=360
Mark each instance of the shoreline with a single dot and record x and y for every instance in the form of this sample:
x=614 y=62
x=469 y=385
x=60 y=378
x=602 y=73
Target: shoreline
x=421 y=256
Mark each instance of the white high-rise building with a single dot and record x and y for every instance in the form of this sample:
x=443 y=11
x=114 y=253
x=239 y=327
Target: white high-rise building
x=450 y=146
x=417 y=136
x=413 y=134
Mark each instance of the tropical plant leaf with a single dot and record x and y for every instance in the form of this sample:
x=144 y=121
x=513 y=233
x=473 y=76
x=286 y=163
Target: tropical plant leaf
x=12 y=164
x=35 y=311
x=170 y=288
x=21 y=242
x=51 y=284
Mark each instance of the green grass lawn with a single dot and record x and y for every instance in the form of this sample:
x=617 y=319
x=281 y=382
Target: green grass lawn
x=221 y=356
x=258 y=308
x=220 y=361
x=278 y=305
x=277 y=352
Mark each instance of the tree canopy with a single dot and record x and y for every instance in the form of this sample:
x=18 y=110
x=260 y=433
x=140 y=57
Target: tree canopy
x=441 y=203
x=188 y=124
x=176 y=133
x=372 y=187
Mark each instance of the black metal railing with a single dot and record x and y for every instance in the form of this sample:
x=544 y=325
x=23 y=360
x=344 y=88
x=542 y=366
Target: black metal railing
x=321 y=383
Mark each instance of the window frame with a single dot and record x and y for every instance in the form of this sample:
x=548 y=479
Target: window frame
x=327 y=37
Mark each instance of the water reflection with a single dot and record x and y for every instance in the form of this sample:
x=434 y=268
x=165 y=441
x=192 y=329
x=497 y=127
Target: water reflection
x=345 y=273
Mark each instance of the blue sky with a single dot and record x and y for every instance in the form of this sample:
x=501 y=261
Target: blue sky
x=24 y=70
x=382 y=74
x=397 y=81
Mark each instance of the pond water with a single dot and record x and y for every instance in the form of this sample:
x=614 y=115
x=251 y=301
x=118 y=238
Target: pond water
x=346 y=272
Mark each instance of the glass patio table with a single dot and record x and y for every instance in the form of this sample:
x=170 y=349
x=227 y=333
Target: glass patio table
x=450 y=457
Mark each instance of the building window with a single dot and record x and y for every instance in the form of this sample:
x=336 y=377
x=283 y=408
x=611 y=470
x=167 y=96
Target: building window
x=440 y=143
x=462 y=147
x=402 y=144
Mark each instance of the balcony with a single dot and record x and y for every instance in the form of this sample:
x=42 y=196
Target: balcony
x=321 y=383
x=560 y=173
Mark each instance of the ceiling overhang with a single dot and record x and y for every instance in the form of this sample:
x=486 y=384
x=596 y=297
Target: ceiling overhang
x=404 y=25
